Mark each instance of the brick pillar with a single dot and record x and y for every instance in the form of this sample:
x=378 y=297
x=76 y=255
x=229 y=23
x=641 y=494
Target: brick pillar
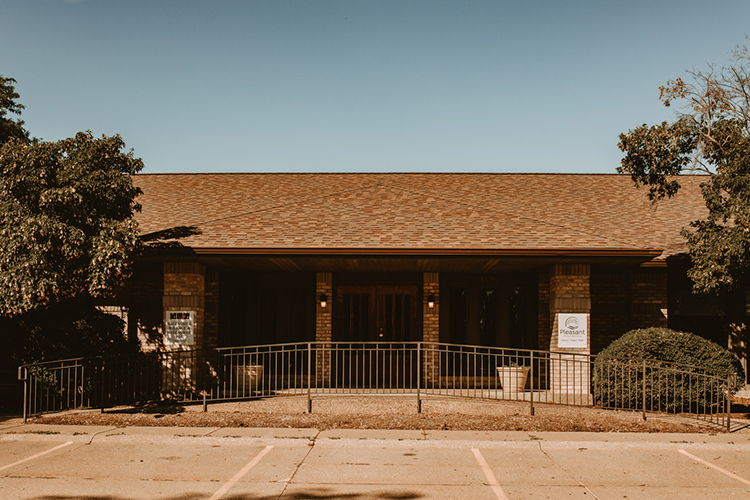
x=323 y=328
x=431 y=329
x=570 y=292
x=184 y=290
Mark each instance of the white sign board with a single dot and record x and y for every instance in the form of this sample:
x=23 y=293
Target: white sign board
x=179 y=328
x=571 y=330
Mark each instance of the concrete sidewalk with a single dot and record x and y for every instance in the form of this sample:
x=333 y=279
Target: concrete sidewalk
x=244 y=435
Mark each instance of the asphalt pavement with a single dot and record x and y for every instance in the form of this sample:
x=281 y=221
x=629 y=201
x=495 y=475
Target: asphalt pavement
x=52 y=462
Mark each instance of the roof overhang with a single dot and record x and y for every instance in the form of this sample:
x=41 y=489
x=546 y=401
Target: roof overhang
x=442 y=252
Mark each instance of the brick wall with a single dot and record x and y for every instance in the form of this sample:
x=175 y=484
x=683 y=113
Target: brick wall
x=610 y=307
x=622 y=301
x=648 y=292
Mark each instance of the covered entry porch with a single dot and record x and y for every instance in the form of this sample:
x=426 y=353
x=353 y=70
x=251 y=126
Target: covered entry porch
x=483 y=299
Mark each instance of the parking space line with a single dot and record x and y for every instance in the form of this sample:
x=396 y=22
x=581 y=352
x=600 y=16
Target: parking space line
x=716 y=467
x=35 y=456
x=490 y=476
x=241 y=473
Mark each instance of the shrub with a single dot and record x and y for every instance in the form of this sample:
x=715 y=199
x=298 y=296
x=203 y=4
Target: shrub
x=683 y=372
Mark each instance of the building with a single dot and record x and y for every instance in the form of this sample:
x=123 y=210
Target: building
x=483 y=259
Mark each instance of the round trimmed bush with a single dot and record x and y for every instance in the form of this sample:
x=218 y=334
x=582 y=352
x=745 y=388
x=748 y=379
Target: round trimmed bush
x=684 y=372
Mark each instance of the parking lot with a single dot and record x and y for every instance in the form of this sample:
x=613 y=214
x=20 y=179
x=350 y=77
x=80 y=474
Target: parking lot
x=65 y=462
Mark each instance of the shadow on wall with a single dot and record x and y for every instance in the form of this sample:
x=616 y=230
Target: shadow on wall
x=311 y=494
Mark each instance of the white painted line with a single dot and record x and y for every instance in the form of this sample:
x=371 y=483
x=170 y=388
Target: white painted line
x=35 y=456
x=490 y=476
x=709 y=464
x=241 y=473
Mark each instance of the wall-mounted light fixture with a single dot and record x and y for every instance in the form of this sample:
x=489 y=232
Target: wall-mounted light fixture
x=323 y=300
x=431 y=302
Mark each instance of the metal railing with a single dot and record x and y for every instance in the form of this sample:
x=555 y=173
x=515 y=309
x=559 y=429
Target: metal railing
x=416 y=368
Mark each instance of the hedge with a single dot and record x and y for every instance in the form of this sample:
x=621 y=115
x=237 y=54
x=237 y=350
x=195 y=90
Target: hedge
x=683 y=372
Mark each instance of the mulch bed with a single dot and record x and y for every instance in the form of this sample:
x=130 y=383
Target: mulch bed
x=385 y=412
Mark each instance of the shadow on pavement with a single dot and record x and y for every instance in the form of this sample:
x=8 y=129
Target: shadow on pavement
x=312 y=494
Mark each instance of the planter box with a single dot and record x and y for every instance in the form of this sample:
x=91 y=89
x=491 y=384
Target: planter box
x=246 y=378
x=512 y=378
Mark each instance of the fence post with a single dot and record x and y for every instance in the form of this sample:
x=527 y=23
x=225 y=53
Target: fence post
x=309 y=378
x=102 y=386
x=419 y=377
x=644 y=391
x=23 y=374
x=531 y=385
x=728 y=404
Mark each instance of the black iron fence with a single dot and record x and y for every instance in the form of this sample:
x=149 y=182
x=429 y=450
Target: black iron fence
x=417 y=368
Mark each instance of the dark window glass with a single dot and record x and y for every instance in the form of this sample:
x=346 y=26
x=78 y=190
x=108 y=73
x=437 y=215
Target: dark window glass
x=488 y=317
x=518 y=317
x=458 y=315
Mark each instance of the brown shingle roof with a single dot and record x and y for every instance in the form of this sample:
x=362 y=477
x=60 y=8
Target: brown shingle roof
x=449 y=212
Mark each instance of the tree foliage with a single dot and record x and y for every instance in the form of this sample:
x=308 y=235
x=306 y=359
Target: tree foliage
x=711 y=136
x=10 y=128
x=67 y=228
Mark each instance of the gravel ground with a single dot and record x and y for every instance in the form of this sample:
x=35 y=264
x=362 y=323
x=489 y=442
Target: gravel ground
x=382 y=412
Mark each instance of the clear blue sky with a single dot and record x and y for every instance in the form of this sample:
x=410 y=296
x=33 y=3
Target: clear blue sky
x=360 y=86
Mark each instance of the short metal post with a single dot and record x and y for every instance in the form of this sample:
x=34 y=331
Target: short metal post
x=729 y=402
x=419 y=377
x=309 y=378
x=102 y=386
x=643 y=414
x=531 y=385
x=23 y=374
x=205 y=403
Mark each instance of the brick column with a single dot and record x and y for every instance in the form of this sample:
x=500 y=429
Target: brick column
x=323 y=328
x=569 y=292
x=184 y=290
x=431 y=329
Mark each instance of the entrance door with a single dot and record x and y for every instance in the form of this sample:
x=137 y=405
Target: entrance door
x=376 y=313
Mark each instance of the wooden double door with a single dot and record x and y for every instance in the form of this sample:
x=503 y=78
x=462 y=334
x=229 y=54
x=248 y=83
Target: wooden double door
x=388 y=314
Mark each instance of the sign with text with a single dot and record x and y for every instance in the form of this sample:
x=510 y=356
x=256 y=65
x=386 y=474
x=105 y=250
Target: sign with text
x=179 y=328
x=571 y=330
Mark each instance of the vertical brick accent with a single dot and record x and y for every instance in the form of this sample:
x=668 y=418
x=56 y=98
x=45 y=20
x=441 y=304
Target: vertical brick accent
x=430 y=329
x=324 y=315
x=323 y=328
x=569 y=291
x=211 y=323
x=431 y=317
x=648 y=291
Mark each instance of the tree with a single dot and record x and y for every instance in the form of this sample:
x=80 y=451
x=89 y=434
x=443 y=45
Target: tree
x=67 y=226
x=711 y=136
x=9 y=127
